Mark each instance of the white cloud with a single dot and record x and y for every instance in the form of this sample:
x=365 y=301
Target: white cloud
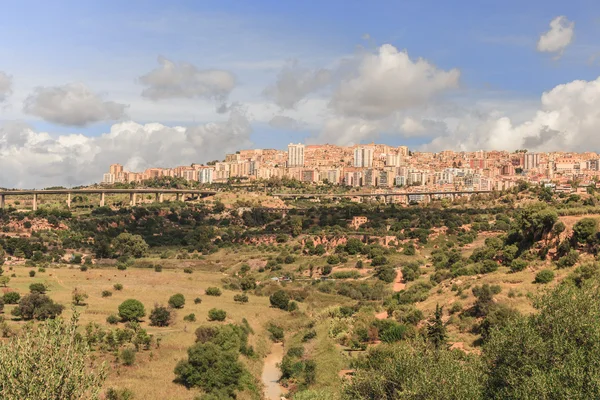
x=411 y=126
x=5 y=86
x=294 y=83
x=184 y=80
x=35 y=159
x=347 y=131
x=568 y=118
x=389 y=81
x=72 y=104
x=558 y=37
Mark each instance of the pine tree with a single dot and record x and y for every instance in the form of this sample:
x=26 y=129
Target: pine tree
x=436 y=332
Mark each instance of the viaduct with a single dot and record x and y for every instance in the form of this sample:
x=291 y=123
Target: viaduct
x=102 y=192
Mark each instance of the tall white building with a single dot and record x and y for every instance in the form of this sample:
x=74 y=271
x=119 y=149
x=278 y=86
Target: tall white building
x=205 y=175
x=363 y=157
x=295 y=155
x=531 y=161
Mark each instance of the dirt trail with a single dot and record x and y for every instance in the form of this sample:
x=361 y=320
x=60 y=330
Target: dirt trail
x=271 y=373
x=398 y=284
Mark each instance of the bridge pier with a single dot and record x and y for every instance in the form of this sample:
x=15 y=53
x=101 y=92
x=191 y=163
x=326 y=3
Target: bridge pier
x=2 y=201
x=35 y=201
x=132 y=199
x=68 y=200
x=102 y=199
x=178 y=197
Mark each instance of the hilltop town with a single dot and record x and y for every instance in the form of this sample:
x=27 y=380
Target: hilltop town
x=382 y=166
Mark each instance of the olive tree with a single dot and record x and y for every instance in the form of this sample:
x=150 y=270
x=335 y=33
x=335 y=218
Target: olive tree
x=48 y=362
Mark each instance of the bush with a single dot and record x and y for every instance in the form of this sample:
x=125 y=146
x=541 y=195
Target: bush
x=386 y=274
x=280 y=299
x=240 y=298
x=160 y=316
x=32 y=273
x=190 y=317
x=118 y=286
x=37 y=306
x=213 y=291
x=276 y=332
x=333 y=259
x=127 y=356
x=48 y=362
x=215 y=314
x=188 y=270
x=118 y=394
x=177 y=301
x=206 y=333
x=309 y=335
x=41 y=269
x=157 y=268
x=106 y=293
x=518 y=265
x=37 y=288
x=83 y=268
x=197 y=300
x=11 y=297
x=544 y=276
x=78 y=296
x=568 y=260
x=112 y=319
x=131 y=310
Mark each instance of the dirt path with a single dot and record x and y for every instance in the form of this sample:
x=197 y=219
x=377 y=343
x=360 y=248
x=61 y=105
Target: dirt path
x=271 y=373
x=381 y=315
x=398 y=284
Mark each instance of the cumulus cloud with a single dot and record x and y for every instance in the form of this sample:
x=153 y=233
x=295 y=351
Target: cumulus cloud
x=35 y=159
x=72 y=104
x=388 y=81
x=294 y=83
x=347 y=131
x=184 y=80
x=558 y=37
x=568 y=118
x=5 y=86
x=286 y=123
x=410 y=126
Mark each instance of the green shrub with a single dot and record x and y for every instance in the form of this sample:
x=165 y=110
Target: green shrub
x=518 y=265
x=127 y=356
x=32 y=273
x=544 y=276
x=276 y=332
x=188 y=270
x=215 y=314
x=280 y=299
x=160 y=316
x=240 y=298
x=37 y=306
x=112 y=319
x=190 y=317
x=213 y=291
x=83 y=268
x=11 y=297
x=158 y=268
x=106 y=293
x=197 y=300
x=38 y=288
x=131 y=310
x=118 y=394
x=177 y=301
x=118 y=286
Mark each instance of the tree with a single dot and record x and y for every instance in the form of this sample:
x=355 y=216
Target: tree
x=584 y=231
x=177 y=301
x=4 y=280
x=551 y=353
x=160 y=316
x=48 y=362
x=215 y=314
x=127 y=244
x=280 y=299
x=210 y=368
x=11 y=297
x=436 y=331
x=78 y=296
x=295 y=226
x=131 y=310
x=213 y=291
x=240 y=298
x=37 y=288
x=37 y=306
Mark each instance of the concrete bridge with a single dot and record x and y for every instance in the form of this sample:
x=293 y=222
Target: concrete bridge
x=102 y=192
x=385 y=196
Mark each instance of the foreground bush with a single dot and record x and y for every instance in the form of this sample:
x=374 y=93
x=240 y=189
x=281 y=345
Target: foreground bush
x=160 y=316
x=214 y=314
x=131 y=310
x=47 y=363
x=37 y=306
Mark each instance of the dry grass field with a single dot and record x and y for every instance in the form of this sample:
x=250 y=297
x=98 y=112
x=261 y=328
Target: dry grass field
x=152 y=375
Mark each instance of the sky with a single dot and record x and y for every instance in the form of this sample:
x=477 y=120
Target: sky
x=149 y=84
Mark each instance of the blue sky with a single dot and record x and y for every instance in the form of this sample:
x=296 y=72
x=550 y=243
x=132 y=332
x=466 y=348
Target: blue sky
x=486 y=53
